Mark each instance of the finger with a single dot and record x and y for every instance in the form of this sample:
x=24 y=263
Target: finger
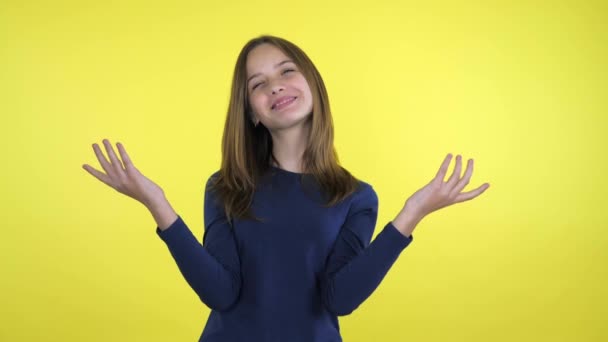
x=102 y=160
x=117 y=164
x=465 y=196
x=455 y=174
x=444 y=168
x=97 y=174
x=125 y=157
x=462 y=183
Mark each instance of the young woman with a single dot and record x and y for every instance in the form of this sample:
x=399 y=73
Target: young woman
x=286 y=247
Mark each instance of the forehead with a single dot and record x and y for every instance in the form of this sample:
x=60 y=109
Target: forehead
x=264 y=56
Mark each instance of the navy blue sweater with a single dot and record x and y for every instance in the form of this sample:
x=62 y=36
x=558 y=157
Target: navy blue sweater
x=289 y=277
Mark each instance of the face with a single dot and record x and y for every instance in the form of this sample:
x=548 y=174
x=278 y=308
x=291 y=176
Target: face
x=278 y=92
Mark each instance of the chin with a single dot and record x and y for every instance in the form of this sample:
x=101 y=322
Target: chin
x=287 y=123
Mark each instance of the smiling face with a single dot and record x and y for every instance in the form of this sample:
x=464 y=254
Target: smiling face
x=278 y=92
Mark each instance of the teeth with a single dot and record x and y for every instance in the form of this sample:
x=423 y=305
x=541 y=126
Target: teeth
x=286 y=100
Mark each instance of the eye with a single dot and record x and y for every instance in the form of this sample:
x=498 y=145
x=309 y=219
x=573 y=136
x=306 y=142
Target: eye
x=284 y=72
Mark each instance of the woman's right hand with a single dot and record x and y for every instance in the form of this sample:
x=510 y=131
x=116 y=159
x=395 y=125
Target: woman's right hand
x=126 y=180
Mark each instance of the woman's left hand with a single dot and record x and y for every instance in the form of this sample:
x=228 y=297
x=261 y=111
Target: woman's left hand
x=439 y=194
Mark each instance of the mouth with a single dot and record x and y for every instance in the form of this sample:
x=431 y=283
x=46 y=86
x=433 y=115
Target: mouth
x=283 y=103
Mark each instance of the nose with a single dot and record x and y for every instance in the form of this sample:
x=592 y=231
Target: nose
x=277 y=88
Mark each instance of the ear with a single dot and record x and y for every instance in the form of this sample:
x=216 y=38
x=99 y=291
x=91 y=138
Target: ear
x=255 y=120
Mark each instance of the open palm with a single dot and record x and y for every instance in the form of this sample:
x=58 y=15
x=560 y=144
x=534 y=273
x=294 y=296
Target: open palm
x=123 y=176
x=439 y=194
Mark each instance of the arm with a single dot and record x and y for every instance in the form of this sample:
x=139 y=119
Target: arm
x=355 y=267
x=212 y=269
x=163 y=213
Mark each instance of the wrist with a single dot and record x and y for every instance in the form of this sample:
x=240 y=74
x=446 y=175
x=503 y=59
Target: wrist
x=406 y=222
x=162 y=212
x=156 y=202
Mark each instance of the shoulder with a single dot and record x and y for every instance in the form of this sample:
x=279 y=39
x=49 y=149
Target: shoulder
x=213 y=176
x=211 y=180
x=364 y=197
x=364 y=189
x=210 y=192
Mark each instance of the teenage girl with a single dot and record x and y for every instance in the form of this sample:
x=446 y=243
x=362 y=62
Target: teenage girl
x=286 y=247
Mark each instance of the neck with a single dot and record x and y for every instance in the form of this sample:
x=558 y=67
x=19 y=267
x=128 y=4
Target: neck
x=288 y=146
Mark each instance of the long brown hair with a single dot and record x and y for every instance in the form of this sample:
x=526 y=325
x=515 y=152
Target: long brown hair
x=247 y=149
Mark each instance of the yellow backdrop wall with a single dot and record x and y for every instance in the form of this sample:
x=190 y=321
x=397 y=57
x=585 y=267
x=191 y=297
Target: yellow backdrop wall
x=520 y=86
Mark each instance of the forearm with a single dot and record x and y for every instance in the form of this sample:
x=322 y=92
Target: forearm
x=213 y=275
x=216 y=285
x=163 y=213
x=343 y=291
x=406 y=222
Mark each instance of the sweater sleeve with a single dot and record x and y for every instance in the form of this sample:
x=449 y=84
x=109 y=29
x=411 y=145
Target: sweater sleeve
x=212 y=269
x=355 y=267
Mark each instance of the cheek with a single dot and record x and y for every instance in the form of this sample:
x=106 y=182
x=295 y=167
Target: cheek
x=254 y=103
x=303 y=85
x=307 y=91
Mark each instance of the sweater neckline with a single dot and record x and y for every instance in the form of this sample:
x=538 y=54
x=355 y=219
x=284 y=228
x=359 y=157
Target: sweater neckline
x=286 y=171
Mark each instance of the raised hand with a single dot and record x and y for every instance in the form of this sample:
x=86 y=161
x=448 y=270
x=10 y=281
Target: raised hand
x=439 y=194
x=123 y=176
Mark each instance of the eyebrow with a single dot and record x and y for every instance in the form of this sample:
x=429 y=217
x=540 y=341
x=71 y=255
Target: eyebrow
x=276 y=66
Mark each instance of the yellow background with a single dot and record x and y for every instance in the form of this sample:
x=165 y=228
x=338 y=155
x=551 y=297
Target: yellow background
x=520 y=86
